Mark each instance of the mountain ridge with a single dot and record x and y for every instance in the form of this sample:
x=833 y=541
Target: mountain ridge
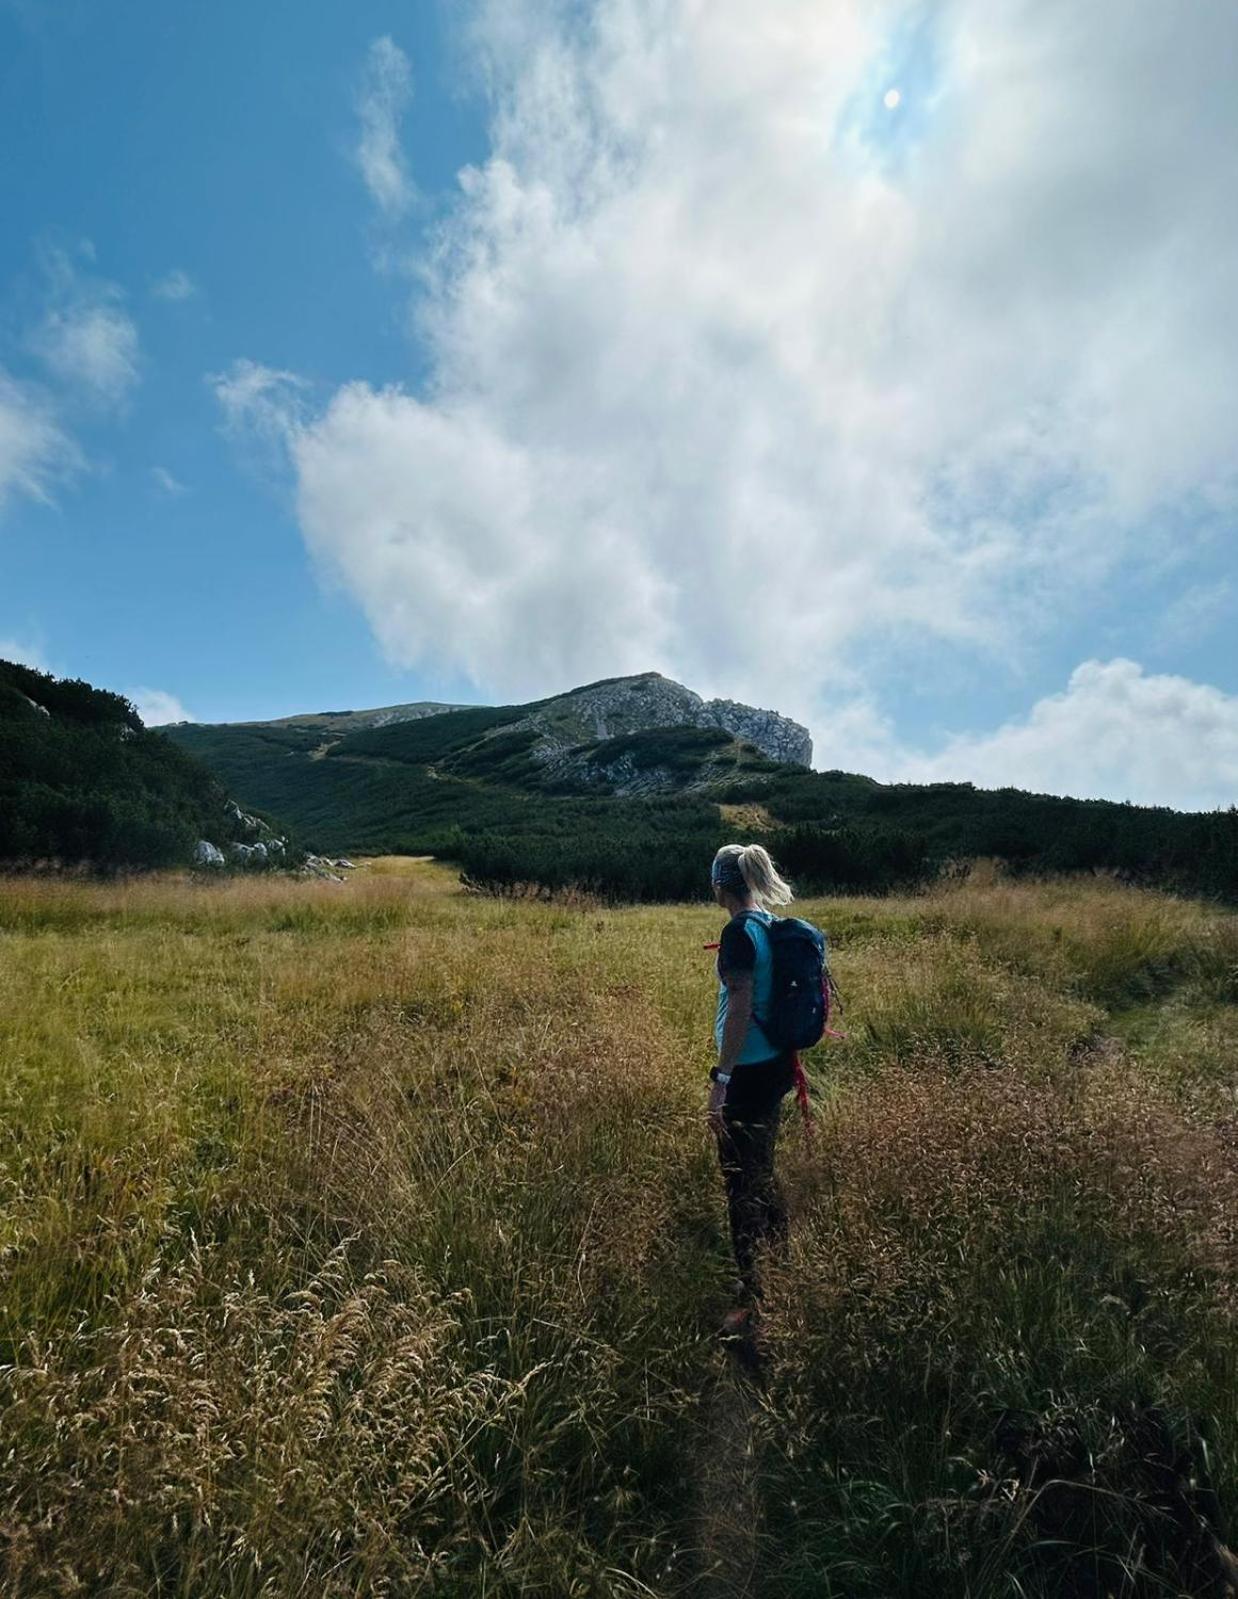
x=530 y=798
x=593 y=713
x=530 y=794
x=344 y=721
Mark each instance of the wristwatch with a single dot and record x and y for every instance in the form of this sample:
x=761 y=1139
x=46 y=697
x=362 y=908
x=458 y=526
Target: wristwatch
x=716 y=1076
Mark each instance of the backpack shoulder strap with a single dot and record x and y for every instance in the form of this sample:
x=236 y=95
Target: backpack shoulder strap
x=762 y=919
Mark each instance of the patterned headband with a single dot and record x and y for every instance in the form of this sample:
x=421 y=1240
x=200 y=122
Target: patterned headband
x=726 y=872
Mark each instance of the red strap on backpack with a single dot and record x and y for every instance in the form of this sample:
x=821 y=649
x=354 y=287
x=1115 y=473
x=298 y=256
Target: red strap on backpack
x=801 y=1093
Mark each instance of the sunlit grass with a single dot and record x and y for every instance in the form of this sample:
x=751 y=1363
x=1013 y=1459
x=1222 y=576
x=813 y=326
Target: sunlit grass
x=365 y=1238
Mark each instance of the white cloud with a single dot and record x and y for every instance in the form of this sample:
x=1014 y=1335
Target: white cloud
x=258 y=399
x=90 y=347
x=444 y=554
x=87 y=339
x=1115 y=732
x=384 y=96
x=175 y=285
x=729 y=380
x=34 y=452
x=24 y=653
x=164 y=480
x=94 y=347
x=157 y=708
x=1198 y=611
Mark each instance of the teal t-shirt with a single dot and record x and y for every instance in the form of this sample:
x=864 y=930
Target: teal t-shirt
x=751 y=924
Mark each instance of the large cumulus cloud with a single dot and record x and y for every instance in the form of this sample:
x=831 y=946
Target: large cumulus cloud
x=733 y=371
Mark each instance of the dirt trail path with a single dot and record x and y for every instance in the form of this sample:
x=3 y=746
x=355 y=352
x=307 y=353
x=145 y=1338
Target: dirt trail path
x=728 y=1506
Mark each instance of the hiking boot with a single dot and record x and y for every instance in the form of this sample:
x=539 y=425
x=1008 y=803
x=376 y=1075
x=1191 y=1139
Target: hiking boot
x=740 y=1322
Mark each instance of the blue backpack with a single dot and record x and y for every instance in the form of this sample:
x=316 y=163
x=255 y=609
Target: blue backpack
x=802 y=991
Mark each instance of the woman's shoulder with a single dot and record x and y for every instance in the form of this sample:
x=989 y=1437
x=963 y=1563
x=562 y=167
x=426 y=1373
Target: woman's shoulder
x=735 y=947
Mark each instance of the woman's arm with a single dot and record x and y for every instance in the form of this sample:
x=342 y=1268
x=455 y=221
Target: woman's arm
x=734 y=1031
x=738 y=1015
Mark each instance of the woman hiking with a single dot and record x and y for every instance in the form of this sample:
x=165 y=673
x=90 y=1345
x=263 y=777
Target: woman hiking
x=752 y=1075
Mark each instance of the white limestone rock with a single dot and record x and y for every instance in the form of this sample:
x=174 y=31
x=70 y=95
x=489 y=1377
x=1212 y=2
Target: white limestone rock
x=633 y=704
x=626 y=705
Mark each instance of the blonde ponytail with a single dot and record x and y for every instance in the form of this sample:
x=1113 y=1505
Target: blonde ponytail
x=759 y=873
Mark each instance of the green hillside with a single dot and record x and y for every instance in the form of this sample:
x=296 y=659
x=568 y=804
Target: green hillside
x=459 y=786
x=83 y=781
x=521 y=794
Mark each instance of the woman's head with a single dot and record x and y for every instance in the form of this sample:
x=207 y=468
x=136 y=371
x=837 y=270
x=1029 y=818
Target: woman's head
x=745 y=872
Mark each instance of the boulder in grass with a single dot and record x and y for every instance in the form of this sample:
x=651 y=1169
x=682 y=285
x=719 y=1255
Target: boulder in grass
x=207 y=854
x=320 y=866
x=249 y=854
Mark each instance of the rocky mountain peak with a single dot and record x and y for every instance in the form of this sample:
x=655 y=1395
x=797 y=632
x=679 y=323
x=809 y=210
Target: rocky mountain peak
x=618 y=706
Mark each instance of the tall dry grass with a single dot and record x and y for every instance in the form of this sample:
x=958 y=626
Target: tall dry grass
x=366 y=1239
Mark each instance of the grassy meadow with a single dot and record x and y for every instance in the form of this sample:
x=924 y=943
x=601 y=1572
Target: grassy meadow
x=367 y=1239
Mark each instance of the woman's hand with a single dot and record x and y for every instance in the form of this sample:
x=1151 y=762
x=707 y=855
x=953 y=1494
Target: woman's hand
x=717 y=1099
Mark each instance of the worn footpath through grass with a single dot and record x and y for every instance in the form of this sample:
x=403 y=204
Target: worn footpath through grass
x=366 y=1239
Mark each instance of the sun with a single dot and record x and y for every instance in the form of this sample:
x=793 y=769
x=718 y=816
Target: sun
x=891 y=99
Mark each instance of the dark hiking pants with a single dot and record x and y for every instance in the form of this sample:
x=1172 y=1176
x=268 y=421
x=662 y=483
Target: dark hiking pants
x=755 y=1204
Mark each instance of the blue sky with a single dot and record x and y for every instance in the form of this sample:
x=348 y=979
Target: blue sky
x=369 y=353
x=214 y=142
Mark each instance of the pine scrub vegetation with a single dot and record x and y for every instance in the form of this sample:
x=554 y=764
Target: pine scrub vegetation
x=84 y=783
